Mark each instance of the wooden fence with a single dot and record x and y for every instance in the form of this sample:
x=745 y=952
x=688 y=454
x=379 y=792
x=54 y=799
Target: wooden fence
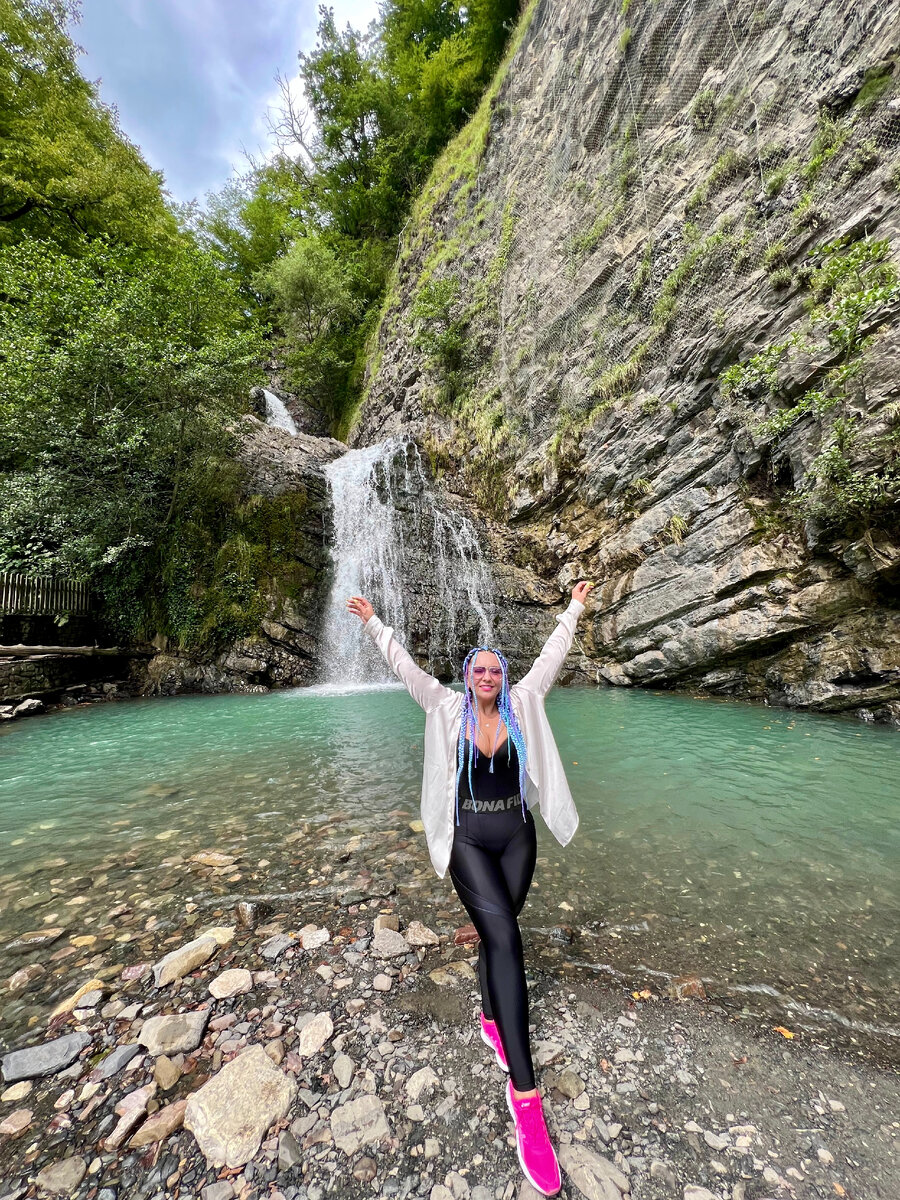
x=36 y=594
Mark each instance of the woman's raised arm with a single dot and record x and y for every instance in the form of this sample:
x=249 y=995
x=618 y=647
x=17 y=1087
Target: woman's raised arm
x=547 y=665
x=427 y=692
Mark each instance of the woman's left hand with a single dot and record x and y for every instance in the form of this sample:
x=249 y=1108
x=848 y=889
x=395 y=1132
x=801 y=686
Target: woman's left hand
x=580 y=591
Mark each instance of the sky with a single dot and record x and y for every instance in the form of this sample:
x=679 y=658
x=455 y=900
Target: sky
x=192 y=79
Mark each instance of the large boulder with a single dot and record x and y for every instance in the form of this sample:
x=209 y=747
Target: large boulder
x=230 y=1114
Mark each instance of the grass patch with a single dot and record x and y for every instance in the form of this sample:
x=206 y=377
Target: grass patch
x=831 y=136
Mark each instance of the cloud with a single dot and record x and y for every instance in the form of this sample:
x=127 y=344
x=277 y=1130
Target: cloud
x=192 y=79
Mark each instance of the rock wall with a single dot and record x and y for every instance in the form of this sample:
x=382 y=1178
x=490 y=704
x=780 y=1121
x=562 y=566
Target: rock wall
x=285 y=650
x=644 y=322
x=49 y=675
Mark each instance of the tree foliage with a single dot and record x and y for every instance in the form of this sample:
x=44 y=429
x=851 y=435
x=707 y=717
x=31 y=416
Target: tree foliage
x=66 y=170
x=120 y=373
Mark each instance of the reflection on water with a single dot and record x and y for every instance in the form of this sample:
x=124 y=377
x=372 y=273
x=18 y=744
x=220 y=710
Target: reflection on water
x=755 y=848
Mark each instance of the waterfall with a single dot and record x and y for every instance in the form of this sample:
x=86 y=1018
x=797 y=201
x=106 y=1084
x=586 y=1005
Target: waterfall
x=419 y=563
x=277 y=415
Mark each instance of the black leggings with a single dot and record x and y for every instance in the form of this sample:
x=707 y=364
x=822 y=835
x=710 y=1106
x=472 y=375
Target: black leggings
x=491 y=865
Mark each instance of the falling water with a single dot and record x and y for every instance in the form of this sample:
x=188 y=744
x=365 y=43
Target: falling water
x=277 y=415
x=419 y=563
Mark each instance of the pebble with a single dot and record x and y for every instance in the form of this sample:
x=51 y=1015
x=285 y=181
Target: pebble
x=72 y=1002
x=276 y=946
x=387 y=943
x=570 y=1084
x=311 y=937
x=422 y=1081
x=715 y=1141
x=130 y=1109
x=18 y=1091
x=365 y=1170
x=116 y=1060
x=174 y=1032
x=418 y=934
x=223 y=1190
x=314 y=1034
x=344 y=1068
x=590 y=1172
x=358 y=1123
x=289 y=1152
x=13 y=1125
x=166 y=1072
x=185 y=959
x=160 y=1125
x=231 y=983
x=63 y=1177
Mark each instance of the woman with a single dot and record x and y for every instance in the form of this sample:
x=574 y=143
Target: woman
x=490 y=758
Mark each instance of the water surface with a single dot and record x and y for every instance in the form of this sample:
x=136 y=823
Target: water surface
x=755 y=848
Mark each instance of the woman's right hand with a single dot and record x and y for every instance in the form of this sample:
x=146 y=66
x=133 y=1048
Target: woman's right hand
x=580 y=591
x=361 y=607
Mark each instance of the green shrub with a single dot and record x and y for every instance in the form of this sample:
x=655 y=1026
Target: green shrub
x=703 y=110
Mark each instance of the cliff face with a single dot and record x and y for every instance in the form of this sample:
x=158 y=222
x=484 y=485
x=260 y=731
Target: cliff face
x=284 y=649
x=644 y=320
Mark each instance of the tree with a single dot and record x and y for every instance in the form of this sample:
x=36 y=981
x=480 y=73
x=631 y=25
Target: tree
x=66 y=170
x=355 y=108
x=254 y=220
x=119 y=371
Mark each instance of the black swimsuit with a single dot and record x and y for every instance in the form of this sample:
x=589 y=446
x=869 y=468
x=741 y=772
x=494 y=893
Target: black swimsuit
x=496 y=790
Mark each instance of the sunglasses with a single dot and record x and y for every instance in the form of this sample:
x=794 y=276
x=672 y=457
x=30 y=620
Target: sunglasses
x=495 y=672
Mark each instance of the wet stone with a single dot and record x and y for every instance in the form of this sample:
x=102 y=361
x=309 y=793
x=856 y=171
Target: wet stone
x=116 y=1060
x=160 y=1125
x=63 y=1177
x=16 y=1122
x=185 y=959
x=166 y=1072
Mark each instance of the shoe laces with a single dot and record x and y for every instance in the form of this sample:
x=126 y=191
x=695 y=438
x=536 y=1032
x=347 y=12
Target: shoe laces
x=531 y=1118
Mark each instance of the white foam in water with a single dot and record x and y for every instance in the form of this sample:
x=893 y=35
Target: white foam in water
x=277 y=415
x=388 y=528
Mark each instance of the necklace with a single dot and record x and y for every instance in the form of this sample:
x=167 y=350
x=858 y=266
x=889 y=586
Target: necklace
x=495 y=731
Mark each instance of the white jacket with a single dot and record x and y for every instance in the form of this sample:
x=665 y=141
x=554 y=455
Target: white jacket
x=545 y=783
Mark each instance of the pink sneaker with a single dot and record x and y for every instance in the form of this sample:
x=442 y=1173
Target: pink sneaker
x=490 y=1035
x=537 y=1158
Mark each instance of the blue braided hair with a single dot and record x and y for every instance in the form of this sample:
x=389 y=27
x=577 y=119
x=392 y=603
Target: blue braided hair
x=469 y=725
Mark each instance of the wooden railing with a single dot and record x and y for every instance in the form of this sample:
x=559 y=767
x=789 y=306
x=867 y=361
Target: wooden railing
x=42 y=594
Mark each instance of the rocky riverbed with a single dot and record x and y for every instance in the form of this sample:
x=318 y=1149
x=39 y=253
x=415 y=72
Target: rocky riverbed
x=324 y=1040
